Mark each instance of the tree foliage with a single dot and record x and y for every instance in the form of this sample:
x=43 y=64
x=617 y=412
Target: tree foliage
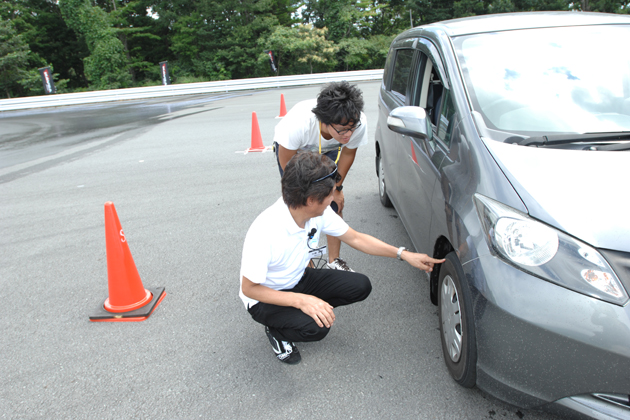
x=106 y=67
x=14 y=58
x=102 y=44
x=300 y=49
x=49 y=41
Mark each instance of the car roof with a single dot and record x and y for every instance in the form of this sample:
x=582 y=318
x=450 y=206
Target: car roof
x=512 y=21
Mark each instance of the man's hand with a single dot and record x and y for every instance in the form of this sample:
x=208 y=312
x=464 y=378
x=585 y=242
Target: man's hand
x=312 y=306
x=339 y=199
x=421 y=261
x=317 y=309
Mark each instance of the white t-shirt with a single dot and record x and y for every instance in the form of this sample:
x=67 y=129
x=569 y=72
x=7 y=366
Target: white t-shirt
x=275 y=253
x=299 y=130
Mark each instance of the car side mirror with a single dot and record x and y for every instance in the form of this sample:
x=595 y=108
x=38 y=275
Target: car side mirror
x=410 y=121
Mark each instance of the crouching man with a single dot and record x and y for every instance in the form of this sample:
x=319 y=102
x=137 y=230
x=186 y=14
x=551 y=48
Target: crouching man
x=292 y=301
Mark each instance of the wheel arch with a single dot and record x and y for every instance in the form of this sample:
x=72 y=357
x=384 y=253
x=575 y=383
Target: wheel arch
x=377 y=146
x=441 y=248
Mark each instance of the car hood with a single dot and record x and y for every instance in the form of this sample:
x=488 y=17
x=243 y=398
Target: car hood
x=583 y=193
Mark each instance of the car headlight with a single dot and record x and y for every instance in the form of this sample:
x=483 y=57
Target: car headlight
x=548 y=253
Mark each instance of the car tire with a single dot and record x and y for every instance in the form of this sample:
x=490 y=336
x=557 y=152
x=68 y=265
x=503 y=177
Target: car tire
x=457 y=325
x=382 y=187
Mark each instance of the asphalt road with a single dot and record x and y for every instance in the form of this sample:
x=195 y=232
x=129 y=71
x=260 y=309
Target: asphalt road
x=185 y=199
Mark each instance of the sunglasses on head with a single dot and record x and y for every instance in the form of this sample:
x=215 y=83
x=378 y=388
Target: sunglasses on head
x=333 y=173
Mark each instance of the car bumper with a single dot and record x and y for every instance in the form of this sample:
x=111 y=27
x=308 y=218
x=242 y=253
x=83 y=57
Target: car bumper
x=539 y=343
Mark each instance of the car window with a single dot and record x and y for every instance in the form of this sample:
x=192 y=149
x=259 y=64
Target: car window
x=447 y=118
x=402 y=68
x=435 y=90
x=429 y=91
x=432 y=95
x=387 y=68
x=420 y=96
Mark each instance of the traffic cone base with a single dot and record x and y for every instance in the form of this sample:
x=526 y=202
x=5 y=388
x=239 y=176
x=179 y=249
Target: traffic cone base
x=127 y=308
x=103 y=315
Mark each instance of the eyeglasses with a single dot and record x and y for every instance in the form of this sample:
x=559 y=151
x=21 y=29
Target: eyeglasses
x=333 y=173
x=342 y=132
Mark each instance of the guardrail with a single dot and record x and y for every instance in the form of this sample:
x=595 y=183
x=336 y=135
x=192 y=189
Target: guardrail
x=185 y=89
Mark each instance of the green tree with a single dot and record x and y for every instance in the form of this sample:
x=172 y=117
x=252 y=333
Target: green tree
x=541 y=5
x=466 y=8
x=429 y=11
x=361 y=54
x=18 y=65
x=342 y=18
x=604 y=6
x=13 y=58
x=106 y=67
x=230 y=38
x=141 y=37
x=391 y=18
x=41 y=26
x=217 y=39
x=358 y=28
x=300 y=49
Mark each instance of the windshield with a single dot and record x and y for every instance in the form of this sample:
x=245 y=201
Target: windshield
x=546 y=81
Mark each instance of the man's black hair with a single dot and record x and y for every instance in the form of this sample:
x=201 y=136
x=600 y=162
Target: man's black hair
x=299 y=174
x=339 y=103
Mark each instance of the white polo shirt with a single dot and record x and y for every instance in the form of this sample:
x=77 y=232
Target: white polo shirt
x=276 y=253
x=299 y=130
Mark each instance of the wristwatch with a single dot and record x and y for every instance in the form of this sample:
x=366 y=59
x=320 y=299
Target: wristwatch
x=400 y=251
x=339 y=187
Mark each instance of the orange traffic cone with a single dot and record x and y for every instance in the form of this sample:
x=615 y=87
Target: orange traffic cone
x=257 y=144
x=283 y=107
x=128 y=300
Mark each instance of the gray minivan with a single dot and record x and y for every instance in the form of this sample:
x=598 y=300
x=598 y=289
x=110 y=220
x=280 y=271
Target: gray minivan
x=503 y=142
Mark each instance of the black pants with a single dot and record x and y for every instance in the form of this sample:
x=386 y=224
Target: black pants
x=336 y=287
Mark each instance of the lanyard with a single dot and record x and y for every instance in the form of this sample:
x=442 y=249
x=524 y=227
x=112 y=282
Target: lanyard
x=320 y=144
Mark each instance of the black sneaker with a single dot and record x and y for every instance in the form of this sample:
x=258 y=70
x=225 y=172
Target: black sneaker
x=285 y=351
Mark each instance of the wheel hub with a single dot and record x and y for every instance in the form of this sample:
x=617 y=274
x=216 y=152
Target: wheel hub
x=381 y=177
x=451 y=319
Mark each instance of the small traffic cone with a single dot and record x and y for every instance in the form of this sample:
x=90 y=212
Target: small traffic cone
x=257 y=144
x=283 y=107
x=128 y=300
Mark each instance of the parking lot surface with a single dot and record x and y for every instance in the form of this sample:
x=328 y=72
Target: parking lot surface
x=185 y=199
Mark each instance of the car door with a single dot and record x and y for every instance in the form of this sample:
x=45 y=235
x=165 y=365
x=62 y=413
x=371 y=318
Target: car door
x=422 y=157
x=456 y=176
x=397 y=91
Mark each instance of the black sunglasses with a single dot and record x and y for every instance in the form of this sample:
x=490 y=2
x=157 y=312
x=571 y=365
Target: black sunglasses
x=333 y=173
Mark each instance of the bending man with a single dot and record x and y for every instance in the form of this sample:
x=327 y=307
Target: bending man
x=333 y=125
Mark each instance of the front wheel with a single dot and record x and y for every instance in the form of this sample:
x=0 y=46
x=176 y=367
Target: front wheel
x=382 y=187
x=457 y=325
